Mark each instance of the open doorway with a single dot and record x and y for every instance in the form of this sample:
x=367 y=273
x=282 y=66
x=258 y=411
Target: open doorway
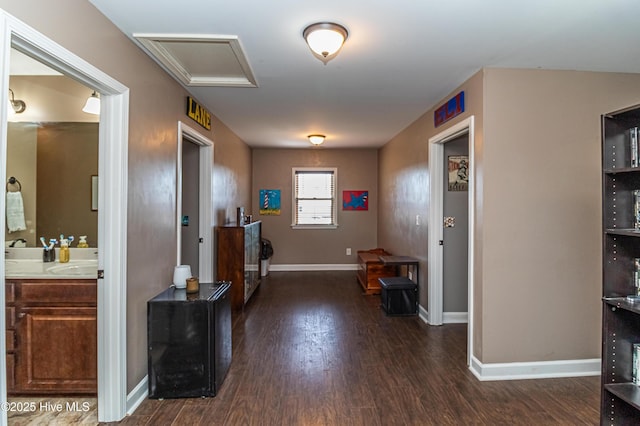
x=111 y=202
x=194 y=202
x=437 y=224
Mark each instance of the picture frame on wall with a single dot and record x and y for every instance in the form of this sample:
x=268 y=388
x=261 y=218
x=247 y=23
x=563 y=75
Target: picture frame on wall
x=458 y=173
x=355 y=200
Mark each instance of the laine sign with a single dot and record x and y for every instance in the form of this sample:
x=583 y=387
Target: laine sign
x=198 y=114
x=453 y=107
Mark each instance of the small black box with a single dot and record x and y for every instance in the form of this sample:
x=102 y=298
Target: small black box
x=399 y=296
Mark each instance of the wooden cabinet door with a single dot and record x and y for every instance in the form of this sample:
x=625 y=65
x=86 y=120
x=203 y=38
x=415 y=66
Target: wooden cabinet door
x=47 y=335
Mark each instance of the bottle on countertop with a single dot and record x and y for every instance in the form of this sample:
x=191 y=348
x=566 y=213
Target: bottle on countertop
x=64 y=251
x=83 y=242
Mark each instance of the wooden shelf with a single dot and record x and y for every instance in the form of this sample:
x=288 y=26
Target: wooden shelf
x=628 y=392
x=627 y=232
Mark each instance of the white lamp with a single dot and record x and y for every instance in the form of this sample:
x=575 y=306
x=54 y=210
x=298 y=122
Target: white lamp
x=316 y=139
x=92 y=106
x=325 y=39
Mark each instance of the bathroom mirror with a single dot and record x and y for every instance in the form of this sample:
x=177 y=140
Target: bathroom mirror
x=52 y=152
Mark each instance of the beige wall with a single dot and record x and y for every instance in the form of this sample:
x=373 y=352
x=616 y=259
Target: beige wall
x=537 y=242
x=22 y=142
x=157 y=102
x=404 y=181
x=67 y=158
x=357 y=170
x=542 y=211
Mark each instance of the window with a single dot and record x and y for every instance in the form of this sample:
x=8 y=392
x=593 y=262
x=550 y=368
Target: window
x=314 y=197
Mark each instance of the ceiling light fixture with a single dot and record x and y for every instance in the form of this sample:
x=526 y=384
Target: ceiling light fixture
x=16 y=105
x=316 y=139
x=325 y=39
x=92 y=106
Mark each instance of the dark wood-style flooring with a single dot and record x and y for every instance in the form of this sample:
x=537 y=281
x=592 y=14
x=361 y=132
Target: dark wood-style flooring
x=311 y=349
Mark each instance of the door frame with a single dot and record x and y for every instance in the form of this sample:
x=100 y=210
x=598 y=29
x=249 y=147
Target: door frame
x=436 y=218
x=112 y=207
x=205 y=222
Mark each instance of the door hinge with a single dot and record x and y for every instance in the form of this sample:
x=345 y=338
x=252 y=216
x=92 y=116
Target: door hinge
x=441 y=242
x=201 y=240
x=100 y=274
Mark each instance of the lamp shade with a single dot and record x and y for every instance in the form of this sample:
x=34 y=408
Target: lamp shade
x=325 y=38
x=316 y=139
x=92 y=106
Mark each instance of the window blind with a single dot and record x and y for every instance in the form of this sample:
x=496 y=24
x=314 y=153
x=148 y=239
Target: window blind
x=315 y=197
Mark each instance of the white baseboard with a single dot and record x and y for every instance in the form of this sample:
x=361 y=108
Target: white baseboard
x=423 y=314
x=447 y=317
x=535 y=370
x=455 y=317
x=137 y=395
x=314 y=267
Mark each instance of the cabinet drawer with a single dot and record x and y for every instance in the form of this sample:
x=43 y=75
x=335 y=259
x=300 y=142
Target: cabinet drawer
x=11 y=340
x=9 y=292
x=69 y=292
x=10 y=316
x=11 y=372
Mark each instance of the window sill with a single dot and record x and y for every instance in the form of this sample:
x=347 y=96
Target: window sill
x=335 y=226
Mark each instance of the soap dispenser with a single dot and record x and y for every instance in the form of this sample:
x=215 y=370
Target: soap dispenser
x=64 y=251
x=83 y=242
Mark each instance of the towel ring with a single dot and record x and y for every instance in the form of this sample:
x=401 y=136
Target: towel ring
x=14 y=181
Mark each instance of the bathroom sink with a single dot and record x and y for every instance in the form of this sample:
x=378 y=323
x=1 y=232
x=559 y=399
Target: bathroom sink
x=74 y=269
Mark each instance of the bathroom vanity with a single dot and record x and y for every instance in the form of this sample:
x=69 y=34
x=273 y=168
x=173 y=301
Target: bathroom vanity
x=51 y=327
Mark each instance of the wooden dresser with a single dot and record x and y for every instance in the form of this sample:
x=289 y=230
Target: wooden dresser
x=238 y=261
x=370 y=268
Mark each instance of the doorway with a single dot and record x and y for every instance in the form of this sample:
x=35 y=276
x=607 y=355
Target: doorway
x=190 y=235
x=436 y=235
x=194 y=202
x=455 y=205
x=112 y=207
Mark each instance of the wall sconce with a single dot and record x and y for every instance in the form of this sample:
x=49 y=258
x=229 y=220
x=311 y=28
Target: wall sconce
x=325 y=39
x=316 y=139
x=92 y=106
x=16 y=106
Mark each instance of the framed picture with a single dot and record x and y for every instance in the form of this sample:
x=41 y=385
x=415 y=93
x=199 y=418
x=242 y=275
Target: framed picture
x=270 y=202
x=355 y=200
x=458 y=173
x=94 y=192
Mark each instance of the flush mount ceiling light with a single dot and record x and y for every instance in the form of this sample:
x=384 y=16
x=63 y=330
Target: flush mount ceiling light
x=16 y=105
x=316 y=139
x=325 y=39
x=92 y=106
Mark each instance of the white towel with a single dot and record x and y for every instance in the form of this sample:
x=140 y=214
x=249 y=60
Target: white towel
x=15 y=212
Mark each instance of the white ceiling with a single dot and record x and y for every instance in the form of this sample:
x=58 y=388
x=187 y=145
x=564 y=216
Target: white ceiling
x=401 y=58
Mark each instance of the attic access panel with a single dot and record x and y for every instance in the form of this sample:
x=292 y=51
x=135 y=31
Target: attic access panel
x=201 y=60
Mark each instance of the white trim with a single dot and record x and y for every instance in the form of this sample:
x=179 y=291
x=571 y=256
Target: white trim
x=336 y=199
x=535 y=370
x=155 y=46
x=137 y=395
x=435 y=234
x=112 y=216
x=423 y=314
x=455 y=317
x=313 y=267
x=205 y=223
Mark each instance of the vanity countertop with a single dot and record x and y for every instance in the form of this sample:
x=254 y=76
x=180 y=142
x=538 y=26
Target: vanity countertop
x=19 y=263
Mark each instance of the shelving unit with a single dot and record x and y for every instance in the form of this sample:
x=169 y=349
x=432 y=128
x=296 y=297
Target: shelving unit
x=621 y=245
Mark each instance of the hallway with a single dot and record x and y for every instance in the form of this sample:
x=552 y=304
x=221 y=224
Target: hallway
x=310 y=349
